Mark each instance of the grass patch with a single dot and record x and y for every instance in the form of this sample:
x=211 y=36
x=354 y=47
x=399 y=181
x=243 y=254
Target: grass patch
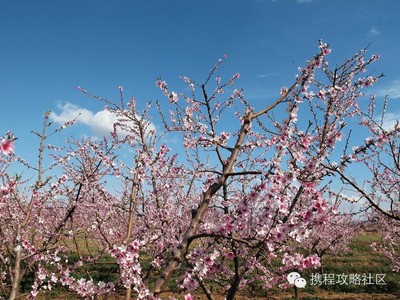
x=360 y=261
x=361 y=268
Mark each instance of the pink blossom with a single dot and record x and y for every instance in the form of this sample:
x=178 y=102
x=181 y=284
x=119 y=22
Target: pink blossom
x=324 y=48
x=253 y=195
x=188 y=297
x=306 y=140
x=283 y=90
x=189 y=283
x=330 y=142
x=186 y=79
x=7 y=146
x=375 y=57
x=173 y=97
x=162 y=85
x=312 y=261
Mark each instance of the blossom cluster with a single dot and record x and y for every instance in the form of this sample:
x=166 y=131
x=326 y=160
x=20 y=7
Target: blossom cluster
x=127 y=257
x=7 y=144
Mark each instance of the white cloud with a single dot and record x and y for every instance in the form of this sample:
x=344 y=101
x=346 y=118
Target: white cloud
x=266 y=75
x=351 y=203
x=373 y=31
x=390 y=120
x=101 y=122
x=392 y=90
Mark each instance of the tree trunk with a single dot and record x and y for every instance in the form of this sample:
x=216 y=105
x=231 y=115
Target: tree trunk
x=233 y=289
x=16 y=276
x=17 y=267
x=180 y=252
x=128 y=293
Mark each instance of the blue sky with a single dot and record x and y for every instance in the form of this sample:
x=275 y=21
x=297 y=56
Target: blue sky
x=48 y=48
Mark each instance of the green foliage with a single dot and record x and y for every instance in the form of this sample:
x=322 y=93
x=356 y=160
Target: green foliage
x=360 y=260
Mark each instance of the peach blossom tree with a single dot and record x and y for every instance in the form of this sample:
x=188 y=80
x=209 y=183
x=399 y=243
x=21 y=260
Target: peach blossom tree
x=227 y=205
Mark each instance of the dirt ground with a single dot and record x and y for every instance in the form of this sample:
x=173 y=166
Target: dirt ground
x=330 y=296
x=288 y=296
x=319 y=296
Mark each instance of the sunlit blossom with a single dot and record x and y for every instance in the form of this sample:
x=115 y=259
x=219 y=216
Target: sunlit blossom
x=7 y=146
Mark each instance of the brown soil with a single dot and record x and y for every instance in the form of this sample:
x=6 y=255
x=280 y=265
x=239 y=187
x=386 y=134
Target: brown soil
x=288 y=296
x=321 y=295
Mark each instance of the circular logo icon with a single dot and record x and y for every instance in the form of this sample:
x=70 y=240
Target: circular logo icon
x=296 y=279
x=300 y=282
